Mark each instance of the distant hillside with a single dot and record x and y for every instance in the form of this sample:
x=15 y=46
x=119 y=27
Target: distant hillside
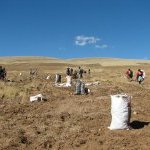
x=29 y=59
x=77 y=61
x=108 y=61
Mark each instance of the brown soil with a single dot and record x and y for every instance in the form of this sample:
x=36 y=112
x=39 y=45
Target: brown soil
x=72 y=122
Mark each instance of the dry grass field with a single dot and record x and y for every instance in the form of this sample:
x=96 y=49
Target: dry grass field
x=67 y=121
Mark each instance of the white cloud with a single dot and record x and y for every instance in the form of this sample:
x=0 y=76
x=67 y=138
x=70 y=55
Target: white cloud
x=102 y=46
x=82 y=40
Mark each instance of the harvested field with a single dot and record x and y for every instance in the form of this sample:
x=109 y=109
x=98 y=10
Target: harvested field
x=67 y=121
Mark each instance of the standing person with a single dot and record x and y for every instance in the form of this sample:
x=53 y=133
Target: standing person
x=75 y=74
x=129 y=74
x=71 y=71
x=4 y=74
x=68 y=71
x=80 y=73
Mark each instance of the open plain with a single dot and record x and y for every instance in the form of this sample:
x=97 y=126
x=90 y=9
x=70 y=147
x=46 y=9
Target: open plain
x=67 y=121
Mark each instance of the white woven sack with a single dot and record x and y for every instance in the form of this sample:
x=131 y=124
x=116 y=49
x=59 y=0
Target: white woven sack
x=36 y=98
x=69 y=81
x=120 y=111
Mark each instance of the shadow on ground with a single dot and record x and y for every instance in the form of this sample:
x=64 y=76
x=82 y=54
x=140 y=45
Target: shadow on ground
x=138 y=124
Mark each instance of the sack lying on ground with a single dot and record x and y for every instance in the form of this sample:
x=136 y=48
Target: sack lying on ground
x=38 y=97
x=62 y=85
x=120 y=111
x=92 y=83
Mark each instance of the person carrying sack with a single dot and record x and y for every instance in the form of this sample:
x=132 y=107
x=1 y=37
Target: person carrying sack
x=140 y=75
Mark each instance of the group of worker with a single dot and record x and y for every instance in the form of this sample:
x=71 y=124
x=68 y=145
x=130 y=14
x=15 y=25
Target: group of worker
x=140 y=75
x=76 y=74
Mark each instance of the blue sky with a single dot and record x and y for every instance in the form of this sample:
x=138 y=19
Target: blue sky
x=75 y=28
